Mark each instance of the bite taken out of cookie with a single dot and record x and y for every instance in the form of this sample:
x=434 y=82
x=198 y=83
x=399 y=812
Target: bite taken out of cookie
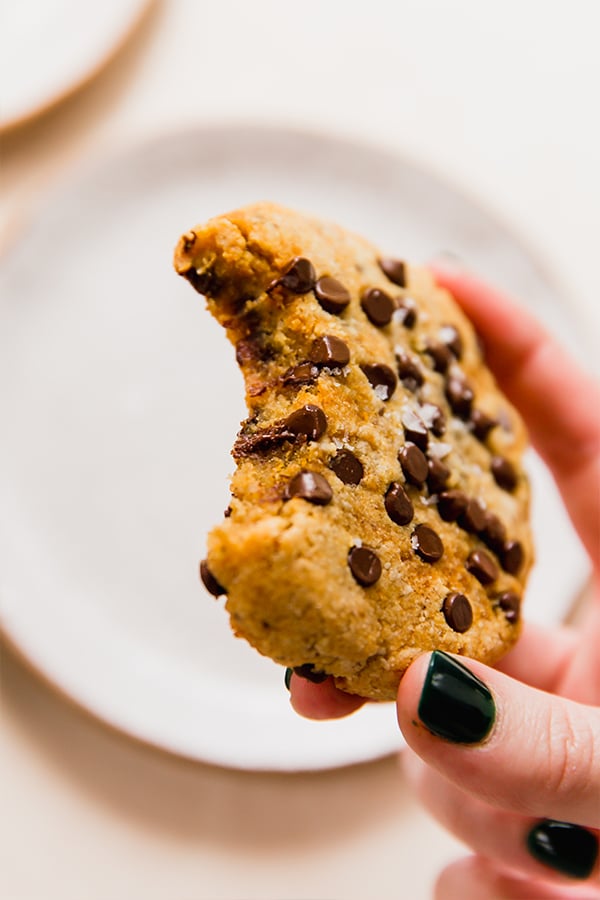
x=379 y=506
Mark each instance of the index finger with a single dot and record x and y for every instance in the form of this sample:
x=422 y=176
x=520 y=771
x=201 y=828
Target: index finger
x=557 y=398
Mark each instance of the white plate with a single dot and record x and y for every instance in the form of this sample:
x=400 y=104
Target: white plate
x=49 y=47
x=119 y=402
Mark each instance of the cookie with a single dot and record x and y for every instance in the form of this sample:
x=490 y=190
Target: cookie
x=379 y=506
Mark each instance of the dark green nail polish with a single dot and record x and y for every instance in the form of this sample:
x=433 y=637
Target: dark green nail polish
x=288 y=677
x=566 y=848
x=454 y=704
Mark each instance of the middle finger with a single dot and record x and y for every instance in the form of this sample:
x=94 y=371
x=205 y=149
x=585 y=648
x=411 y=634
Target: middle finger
x=494 y=833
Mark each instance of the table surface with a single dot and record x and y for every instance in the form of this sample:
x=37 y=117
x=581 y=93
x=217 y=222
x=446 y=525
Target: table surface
x=501 y=102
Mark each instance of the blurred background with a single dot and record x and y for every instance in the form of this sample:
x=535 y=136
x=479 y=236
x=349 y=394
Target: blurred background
x=120 y=128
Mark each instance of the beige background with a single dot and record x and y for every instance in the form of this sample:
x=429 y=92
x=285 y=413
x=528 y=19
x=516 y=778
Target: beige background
x=502 y=99
x=86 y=813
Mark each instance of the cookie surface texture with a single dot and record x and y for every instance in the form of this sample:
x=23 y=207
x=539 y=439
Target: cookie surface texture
x=379 y=506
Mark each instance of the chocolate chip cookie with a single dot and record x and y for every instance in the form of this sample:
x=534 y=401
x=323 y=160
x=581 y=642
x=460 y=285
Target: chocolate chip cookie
x=379 y=506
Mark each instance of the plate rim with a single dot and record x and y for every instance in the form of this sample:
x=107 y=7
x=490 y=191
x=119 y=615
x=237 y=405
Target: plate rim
x=129 y=147
x=123 y=156
x=55 y=98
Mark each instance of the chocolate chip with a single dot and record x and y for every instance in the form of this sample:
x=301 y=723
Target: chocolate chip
x=512 y=557
x=472 y=519
x=227 y=512
x=450 y=336
x=409 y=372
x=204 y=282
x=407 y=312
x=377 y=306
x=332 y=295
x=209 y=581
x=330 y=351
x=364 y=565
x=493 y=532
x=347 y=467
x=510 y=604
x=188 y=240
x=309 y=673
x=303 y=373
x=255 y=388
x=398 y=505
x=457 y=612
x=246 y=351
x=427 y=544
x=263 y=440
x=415 y=429
x=394 y=269
x=437 y=476
x=482 y=424
x=504 y=472
x=440 y=355
x=414 y=464
x=381 y=378
x=309 y=486
x=309 y=420
x=451 y=504
x=460 y=397
x=252 y=349
x=299 y=277
x=482 y=566
x=434 y=418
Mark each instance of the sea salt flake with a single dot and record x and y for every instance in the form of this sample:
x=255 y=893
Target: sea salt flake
x=411 y=419
x=447 y=333
x=429 y=413
x=439 y=450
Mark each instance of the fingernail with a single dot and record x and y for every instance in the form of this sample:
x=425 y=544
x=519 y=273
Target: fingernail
x=566 y=848
x=287 y=678
x=454 y=704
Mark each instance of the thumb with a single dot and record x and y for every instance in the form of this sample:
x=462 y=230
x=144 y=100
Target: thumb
x=508 y=744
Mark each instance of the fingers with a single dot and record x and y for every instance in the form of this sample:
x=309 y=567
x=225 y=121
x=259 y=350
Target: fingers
x=541 y=656
x=321 y=701
x=498 y=835
x=475 y=878
x=512 y=746
x=559 y=660
x=581 y=680
x=558 y=400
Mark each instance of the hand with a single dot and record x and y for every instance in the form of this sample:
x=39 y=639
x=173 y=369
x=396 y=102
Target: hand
x=514 y=771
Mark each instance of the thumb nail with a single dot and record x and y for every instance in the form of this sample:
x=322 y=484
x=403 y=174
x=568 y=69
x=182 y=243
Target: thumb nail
x=455 y=705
